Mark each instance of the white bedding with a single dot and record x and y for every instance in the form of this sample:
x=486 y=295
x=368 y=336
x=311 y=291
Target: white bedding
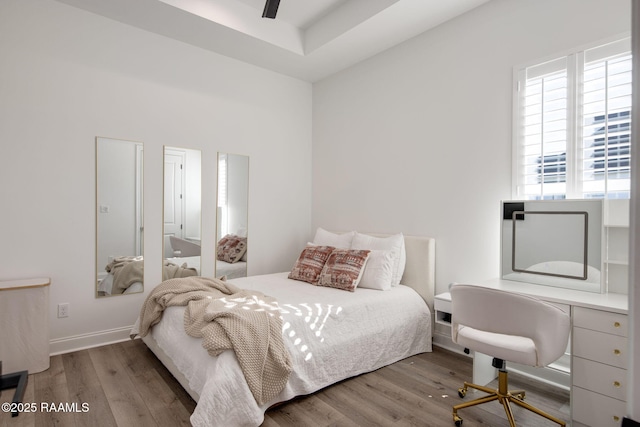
x=106 y=286
x=191 y=261
x=232 y=271
x=331 y=335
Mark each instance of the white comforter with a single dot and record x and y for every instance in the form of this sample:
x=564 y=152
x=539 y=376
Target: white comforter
x=331 y=335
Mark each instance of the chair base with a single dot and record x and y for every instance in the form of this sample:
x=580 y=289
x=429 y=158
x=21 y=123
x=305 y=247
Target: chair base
x=17 y=380
x=504 y=396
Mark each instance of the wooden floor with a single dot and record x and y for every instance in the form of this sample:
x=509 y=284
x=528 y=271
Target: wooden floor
x=125 y=385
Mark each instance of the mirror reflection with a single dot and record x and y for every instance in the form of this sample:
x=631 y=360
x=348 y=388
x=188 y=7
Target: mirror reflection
x=119 y=217
x=553 y=242
x=182 y=207
x=232 y=215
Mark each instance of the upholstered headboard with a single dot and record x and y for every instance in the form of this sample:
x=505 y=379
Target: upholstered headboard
x=420 y=270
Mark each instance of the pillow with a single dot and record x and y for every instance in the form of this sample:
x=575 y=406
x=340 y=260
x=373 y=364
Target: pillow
x=310 y=263
x=326 y=238
x=343 y=270
x=394 y=243
x=378 y=273
x=231 y=248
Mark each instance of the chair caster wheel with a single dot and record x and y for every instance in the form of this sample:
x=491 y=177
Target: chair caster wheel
x=457 y=420
x=462 y=392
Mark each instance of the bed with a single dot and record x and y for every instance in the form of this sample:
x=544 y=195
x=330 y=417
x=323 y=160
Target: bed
x=231 y=270
x=191 y=262
x=330 y=334
x=124 y=275
x=231 y=256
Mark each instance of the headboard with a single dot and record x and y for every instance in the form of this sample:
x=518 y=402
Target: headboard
x=420 y=270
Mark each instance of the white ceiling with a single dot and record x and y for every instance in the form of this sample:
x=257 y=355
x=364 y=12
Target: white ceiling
x=309 y=39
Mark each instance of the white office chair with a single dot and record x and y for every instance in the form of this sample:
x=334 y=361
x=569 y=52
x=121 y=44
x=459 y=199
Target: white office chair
x=183 y=248
x=509 y=327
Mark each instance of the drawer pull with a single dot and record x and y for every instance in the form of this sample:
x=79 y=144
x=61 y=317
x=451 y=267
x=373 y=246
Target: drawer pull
x=616 y=383
x=616 y=324
x=616 y=352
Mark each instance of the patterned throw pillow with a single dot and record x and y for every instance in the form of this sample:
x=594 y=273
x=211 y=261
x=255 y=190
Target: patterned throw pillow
x=343 y=270
x=231 y=248
x=310 y=263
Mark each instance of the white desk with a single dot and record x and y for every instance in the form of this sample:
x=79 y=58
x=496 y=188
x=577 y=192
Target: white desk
x=598 y=349
x=615 y=303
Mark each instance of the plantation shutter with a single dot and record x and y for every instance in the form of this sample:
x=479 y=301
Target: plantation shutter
x=572 y=125
x=606 y=121
x=544 y=101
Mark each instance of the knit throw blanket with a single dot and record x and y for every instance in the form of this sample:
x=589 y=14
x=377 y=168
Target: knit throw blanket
x=228 y=318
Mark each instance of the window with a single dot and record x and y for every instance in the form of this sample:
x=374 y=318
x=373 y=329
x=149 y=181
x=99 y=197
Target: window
x=572 y=125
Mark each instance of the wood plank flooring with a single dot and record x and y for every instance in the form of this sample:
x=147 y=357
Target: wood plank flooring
x=124 y=385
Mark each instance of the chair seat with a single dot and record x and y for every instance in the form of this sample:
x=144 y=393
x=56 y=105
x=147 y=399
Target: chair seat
x=507 y=347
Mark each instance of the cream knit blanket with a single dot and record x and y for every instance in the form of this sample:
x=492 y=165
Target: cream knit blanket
x=228 y=318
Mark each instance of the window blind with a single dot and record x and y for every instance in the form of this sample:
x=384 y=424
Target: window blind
x=544 y=149
x=606 y=127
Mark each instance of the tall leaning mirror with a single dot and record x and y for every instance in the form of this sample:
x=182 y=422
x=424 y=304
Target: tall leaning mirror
x=119 y=217
x=182 y=212
x=232 y=215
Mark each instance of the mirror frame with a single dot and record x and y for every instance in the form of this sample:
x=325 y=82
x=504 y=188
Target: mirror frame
x=189 y=240
x=105 y=209
x=232 y=272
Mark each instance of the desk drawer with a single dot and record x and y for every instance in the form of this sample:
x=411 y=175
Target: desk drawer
x=603 y=321
x=601 y=378
x=595 y=410
x=600 y=347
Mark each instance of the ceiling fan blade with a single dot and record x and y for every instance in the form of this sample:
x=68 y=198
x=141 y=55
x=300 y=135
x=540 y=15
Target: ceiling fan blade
x=270 y=9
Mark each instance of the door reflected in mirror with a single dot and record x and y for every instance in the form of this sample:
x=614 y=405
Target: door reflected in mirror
x=119 y=217
x=232 y=215
x=182 y=212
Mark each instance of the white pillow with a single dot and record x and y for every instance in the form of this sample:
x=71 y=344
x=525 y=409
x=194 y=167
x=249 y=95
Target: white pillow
x=339 y=241
x=378 y=272
x=394 y=243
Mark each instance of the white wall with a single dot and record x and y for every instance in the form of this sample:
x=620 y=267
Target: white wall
x=67 y=76
x=418 y=138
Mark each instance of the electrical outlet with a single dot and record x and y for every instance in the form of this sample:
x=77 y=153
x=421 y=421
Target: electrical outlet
x=63 y=310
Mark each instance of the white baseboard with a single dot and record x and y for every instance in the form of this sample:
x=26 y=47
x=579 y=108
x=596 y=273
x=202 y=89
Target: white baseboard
x=444 y=341
x=84 y=341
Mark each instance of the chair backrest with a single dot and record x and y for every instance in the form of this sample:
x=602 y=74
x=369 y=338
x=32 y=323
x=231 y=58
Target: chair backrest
x=184 y=248
x=509 y=313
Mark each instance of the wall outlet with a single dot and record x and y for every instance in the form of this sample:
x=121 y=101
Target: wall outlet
x=63 y=310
